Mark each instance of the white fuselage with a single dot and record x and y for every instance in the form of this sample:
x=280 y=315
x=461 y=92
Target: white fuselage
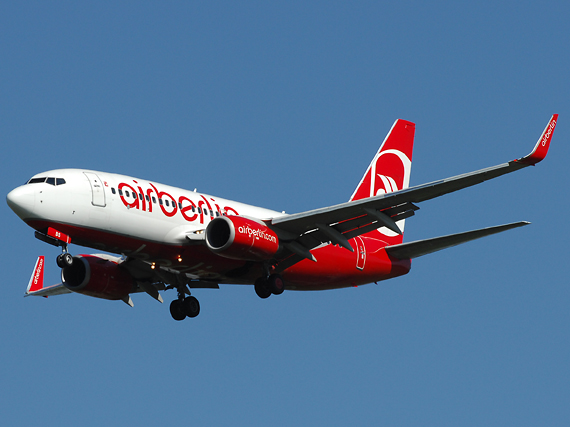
x=127 y=206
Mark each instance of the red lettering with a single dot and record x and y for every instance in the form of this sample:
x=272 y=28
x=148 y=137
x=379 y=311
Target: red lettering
x=229 y=210
x=208 y=204
x=141 y=194
x=216 y=205
x=201 y=210
x=160 y=194
x=185 y=209
x=149 y=195
x=135 y=203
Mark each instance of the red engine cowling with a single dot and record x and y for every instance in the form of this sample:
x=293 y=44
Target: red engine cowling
x=240 y=238
x=97 y=277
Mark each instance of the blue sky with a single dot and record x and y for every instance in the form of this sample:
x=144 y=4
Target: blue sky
x=283 y=106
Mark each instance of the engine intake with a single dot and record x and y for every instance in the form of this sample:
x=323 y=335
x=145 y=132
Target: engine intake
x=97 y=277
x=241 y=238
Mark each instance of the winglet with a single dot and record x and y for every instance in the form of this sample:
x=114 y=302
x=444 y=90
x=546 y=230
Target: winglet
x=541 y=147
x=37 y=279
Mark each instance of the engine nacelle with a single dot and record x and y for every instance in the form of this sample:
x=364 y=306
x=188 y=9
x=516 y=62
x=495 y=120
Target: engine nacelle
x=97 y=277
x=241 y=238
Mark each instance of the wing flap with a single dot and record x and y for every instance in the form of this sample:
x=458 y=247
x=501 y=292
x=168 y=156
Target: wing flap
x=428 y=246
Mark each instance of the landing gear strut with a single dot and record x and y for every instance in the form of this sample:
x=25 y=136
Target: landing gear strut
x=184 y=307
x=65 y=259
x=57 y=238
x=274 y=284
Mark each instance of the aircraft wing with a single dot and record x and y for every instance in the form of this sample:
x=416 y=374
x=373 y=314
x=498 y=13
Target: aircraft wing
x=307 y=230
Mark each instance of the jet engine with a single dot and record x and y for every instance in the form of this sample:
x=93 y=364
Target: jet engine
x=241 y=238
x=97 y=277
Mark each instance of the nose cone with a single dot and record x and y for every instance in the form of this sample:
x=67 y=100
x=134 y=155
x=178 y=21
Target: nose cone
x=22 y=200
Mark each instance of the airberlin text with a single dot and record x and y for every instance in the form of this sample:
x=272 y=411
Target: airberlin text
x=256 y=233
x=38 y=271
x=547 y=134
x=134 y=197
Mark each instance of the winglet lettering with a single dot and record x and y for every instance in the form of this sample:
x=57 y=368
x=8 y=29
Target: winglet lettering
x=541 y=147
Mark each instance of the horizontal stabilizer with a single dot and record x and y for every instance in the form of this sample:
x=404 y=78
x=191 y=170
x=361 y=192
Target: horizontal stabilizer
x=58 y=289
x=428 y=246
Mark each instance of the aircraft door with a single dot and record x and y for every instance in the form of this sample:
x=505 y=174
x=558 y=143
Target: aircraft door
x=360 y=253
x=97 y=189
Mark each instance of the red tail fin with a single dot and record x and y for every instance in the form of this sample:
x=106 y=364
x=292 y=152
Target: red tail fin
x=389 y=171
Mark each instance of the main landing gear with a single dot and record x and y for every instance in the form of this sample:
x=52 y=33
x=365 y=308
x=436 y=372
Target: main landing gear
x=273 y=284
x=184 y=306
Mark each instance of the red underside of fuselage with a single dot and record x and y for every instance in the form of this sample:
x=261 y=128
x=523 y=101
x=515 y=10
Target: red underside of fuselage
x=336 y=267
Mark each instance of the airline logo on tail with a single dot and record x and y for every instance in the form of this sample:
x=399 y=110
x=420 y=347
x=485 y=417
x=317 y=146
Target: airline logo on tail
x=390 y=169
x=387 y=183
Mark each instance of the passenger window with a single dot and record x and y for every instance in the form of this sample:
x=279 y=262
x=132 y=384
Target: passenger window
x=113 y=190
x=51 y=181
x=179 y=205
x=153 y=199
x=199 y=209
x=59 y=181
x=166 y=202
x=160 y=201
x=127 y=193
x=147 y=198
x=193 y=208
x=140 y=196
x=120 y=192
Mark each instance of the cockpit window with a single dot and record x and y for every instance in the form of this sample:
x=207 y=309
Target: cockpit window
x=37 y=180
x=50 y=181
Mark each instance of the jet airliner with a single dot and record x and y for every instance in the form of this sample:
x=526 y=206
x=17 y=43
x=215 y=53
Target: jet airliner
x=166 y=237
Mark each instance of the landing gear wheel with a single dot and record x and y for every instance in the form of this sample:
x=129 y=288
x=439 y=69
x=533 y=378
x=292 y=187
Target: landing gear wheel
x=275 y=284
x=191 y=307
x=177 y=309
x=261 y=288
x=64 y=260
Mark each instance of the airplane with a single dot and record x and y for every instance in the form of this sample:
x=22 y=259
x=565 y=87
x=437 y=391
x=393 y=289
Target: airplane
x=166 y=238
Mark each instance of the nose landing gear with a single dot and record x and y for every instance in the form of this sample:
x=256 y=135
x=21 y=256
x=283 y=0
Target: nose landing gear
x=64 y=260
